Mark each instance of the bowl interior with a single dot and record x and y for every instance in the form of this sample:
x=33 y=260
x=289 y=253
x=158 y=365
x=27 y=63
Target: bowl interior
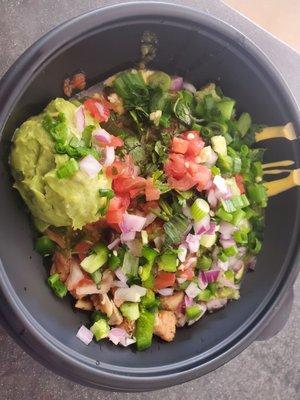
x=200 y=54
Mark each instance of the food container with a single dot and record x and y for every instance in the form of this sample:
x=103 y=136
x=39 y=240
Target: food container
x=201 y=49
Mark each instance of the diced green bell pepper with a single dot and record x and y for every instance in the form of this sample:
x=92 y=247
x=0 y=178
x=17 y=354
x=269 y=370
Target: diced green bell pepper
x=167 y=262
x=100 y=329
x=44 y=246
x=193 y=312
x=204 y=295
x=130 y=310
x=96 y=260
x=57 y=286
x=149 y=255
x=144 y=330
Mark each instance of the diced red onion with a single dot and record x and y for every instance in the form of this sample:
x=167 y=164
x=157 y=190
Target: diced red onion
x=237 y=265
x=80 y=119
x=212 y=228
x=209 y=276
x=242 y=251
x=201 y=283
x=252 y=263
x=212 y=198
x=220 y=184
x=215 y=304
x=188 y=86
x=109 y=156
x=132 y=222
x=188 y=301
x=120 y=275
x=226 y=282
x=116 y=334
x=127 y=236
x=90 y=165
x=193 y=242
x=232 y=261
x=180 y=280
x=127 y=341
x=182 y=252
x=227 y=243
x=114 y=244
x=226 y=230
x=166 y=291
x=101 y=135
x=224 y=265
x=192 y=290
x=176 y=83
x=149 y=219
x=191 y=262
x=85 y=335
x=202 y=226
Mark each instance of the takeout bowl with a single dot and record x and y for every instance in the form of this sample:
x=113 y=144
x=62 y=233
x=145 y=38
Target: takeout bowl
x=201 y=49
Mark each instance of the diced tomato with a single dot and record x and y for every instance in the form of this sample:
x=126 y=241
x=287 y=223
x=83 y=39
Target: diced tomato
x=188 y=274
x=82 y=249
x=119 y=167
x=195 y=143
x=240 y=183
x=98 y=109
x=182 y=184
x=185 y=173
x=116 y=209
x=164 y=279
x=116 y=141
x=151 y=192
x=123 y=184
x=114 y=217
x=175 y=166
x=203 y=178
x=179 y=145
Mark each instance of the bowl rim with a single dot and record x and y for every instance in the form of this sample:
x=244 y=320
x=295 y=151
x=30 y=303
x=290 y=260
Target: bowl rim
x=56 y=354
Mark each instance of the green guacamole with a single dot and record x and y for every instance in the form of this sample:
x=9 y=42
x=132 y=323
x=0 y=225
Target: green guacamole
x=73 y=201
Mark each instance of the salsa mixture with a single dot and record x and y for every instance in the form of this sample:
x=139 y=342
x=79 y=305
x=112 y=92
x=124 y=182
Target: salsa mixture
x=149 y=202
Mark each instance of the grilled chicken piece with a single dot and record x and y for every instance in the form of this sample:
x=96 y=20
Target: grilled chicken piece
x=173 y=302
x=106 y=281
x=104 y=304
x=61 y=265
x=165 y=325
x=128 y=325
x=115 y=317
x=85 y=305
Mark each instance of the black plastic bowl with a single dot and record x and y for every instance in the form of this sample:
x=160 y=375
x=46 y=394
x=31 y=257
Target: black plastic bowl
x=202 y=49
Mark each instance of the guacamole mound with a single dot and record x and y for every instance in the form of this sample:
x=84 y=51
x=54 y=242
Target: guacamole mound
x=71 y=201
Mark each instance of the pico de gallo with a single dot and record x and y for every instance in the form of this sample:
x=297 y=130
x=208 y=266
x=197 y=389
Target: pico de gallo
x=181 y=215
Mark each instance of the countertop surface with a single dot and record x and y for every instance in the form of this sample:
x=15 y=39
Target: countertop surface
x=268 y=370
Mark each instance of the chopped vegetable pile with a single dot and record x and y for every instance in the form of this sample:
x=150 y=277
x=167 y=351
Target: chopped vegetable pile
x=179 y=220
